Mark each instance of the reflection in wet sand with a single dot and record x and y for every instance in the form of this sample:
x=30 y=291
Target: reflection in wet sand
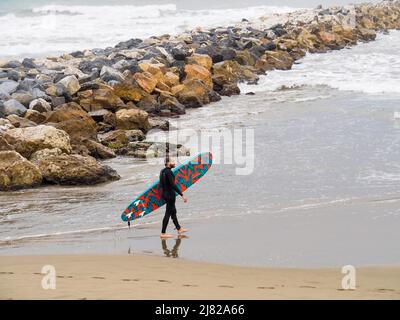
x=173 y=253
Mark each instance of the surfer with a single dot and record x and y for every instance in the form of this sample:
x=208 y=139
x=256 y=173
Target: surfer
x=169 y=190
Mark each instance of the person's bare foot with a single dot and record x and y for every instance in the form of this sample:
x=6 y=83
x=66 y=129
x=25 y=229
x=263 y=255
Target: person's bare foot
x=182 y=230
x=166 y=235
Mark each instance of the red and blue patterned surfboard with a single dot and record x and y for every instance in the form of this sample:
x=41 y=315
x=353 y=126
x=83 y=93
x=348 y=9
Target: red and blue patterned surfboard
x=186 y=175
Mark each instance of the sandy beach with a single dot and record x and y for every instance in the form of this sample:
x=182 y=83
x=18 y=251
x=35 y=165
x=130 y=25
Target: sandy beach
x=304 y=137
x=149 y=277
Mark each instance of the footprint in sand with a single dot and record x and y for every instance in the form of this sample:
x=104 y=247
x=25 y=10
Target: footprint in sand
x=385 y=290
x=189 y=285
x=225 y=286
x=266 y=288
x=341 y=289
x=164 y=281
x=308 y=287
x=6 y=272
x=101 y=278
x=68 y=277
x=130 y=279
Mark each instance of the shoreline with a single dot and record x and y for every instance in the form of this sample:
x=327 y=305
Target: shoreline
x=146 y=277
x=60 y=113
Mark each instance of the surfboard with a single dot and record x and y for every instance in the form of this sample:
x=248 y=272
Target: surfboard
x=186 y=175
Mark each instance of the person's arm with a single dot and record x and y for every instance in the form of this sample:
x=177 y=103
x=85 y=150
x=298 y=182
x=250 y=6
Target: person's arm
x=172 y=183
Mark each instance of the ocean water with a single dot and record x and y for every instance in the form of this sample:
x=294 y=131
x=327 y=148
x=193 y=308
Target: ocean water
x=324 y=190
x=55 y=28
x=40 y=28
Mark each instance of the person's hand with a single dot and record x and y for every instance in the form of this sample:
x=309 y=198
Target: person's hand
x=184 y=199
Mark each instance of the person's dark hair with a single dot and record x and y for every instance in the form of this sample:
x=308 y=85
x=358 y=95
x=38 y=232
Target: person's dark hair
x=167 y=160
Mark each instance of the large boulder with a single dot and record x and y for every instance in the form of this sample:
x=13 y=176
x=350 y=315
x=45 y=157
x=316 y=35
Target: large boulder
x=281 y=60
x=104 y=98
x=171 y=104
x=24 y=98
x=35 y=116
x=203 y=60
x=129 y=92
x=97 y=150
x=75 y=170
x=110 y=74
x=129 y=119
x=42 y=154
x=26 y=141
x=19 y=122
x=71 y=84
x=149 y=104
x=40 y=105
x=75 y=121
x=194 y=71
x=12 y=106
x=8 y=87
x=193 y=93
x=16 y=172
x=120 y=138
x=146 y=81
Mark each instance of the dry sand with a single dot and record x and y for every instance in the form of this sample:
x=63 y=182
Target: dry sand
x=149 y=277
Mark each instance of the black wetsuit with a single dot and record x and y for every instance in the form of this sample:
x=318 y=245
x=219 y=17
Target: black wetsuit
x=169 y=191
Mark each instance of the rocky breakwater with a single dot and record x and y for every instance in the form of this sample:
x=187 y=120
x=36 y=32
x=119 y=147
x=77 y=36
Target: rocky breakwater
x=60 y=116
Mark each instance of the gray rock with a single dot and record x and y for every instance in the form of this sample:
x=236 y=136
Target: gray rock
x=57 y=101
x=38 y=93
x=71 y=84
x=8 y=87
x=110 y=74
x=28 y=84
x=23 y=97
x=132 y=43
x=14 y=75
x=29 y=63
x=40 y=105
x=87 y=66
x=121 y=65
x=180 y=52
x=12 y=106
x=12 y=64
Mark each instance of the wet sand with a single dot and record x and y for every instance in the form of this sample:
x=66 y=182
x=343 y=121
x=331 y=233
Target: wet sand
x=149 y=277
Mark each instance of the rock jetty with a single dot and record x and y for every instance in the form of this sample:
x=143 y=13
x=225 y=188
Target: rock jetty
x=60 y=116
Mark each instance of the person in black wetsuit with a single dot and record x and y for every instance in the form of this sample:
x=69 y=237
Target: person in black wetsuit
x=169 y=191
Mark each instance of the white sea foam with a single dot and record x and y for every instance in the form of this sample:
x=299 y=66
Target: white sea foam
x=62 y=28
x=372 y=67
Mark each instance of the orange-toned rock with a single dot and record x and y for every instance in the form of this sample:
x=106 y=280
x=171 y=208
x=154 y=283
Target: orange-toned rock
x=71 y=118
x=129 y=92
x=203 y=60
x=193 y=93
x=130 y=119
x=153 y=68
x=146 y=81
x=171 y=79
x=93 y=100
x=194 y=71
